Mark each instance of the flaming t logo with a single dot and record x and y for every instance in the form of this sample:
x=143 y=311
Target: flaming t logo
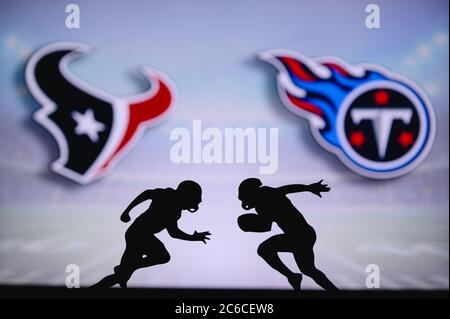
x=93 y=129
x=379 y=124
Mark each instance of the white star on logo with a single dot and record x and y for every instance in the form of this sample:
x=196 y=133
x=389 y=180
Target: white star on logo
x=86 y=124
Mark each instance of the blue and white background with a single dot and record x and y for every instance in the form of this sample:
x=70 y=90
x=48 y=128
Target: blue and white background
x=208 y=49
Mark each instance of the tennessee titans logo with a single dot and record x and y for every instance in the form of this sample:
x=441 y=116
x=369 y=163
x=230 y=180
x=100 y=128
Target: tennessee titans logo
x=378 y=123
x=93 y=129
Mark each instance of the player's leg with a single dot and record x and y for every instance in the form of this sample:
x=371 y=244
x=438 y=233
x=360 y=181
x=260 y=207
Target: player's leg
x=128 y=264
x=122 y=272
x=155 y=254
x=107 y=282
x=269 y=249
x=304 y=258
x=148 y=253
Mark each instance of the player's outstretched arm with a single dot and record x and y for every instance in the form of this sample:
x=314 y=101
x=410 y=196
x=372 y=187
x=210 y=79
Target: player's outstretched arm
x=315 y=188
x=145 y=195
x=318 y=188
x=294 y=188
x=176 y=232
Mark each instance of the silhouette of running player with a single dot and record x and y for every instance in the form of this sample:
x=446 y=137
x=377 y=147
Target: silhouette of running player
x=143 y=249
x=272 y=205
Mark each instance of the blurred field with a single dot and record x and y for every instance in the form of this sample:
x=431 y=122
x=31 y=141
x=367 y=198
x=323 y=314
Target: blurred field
x=410 y=248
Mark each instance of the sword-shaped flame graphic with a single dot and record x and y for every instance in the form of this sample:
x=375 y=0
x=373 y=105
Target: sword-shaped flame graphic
x=316 y=88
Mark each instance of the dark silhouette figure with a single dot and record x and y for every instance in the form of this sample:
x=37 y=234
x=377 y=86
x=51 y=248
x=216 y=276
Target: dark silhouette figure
x=143 y=249
x=272 y=205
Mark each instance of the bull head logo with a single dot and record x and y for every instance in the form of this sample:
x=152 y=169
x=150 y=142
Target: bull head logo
x=93 y=129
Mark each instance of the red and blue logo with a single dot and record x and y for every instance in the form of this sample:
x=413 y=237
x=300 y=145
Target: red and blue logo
x=379 y=124
x=93 y=129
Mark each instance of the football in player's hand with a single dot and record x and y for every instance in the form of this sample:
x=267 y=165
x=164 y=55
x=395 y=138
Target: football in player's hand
x=247 y=222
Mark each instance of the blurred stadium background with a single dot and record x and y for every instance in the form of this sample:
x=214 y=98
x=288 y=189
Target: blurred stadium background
x=208 y=49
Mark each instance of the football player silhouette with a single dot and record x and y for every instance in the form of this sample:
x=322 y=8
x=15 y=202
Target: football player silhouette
x=272 y=205
x=143 y=249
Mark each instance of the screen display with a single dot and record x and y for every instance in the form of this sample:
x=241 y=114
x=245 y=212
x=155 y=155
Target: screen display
x=110 y=104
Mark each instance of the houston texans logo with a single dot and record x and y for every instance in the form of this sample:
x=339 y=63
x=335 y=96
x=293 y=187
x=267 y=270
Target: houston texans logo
x=379 y=124
x=93 y=129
